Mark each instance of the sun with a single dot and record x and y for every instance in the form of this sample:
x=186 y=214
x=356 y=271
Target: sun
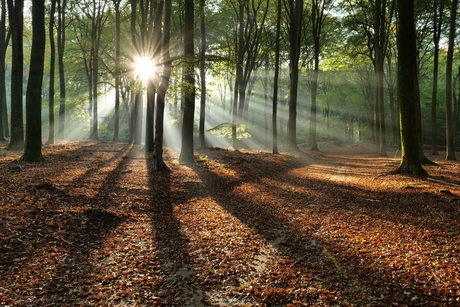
x=143 y=68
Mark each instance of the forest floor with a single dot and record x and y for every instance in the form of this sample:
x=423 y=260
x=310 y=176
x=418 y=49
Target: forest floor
x=93 y=225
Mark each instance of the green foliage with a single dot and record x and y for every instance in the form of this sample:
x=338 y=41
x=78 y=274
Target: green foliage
x=224 y=130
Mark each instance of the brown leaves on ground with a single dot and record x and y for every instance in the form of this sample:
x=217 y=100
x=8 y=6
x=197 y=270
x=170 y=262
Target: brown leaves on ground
x=93 y=225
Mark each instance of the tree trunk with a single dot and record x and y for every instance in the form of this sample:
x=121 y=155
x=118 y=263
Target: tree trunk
x=187 y=151
x=61 y=37
x=450 y=150
x=239 y=75
x=117 y=69
x=4 y=131
x=159 y=164
x=295 y=21
x=380 y=38
x=33 y=141
x=51 y=90
x=202 y=75
x=407 y=83
x=437 y=27
x=275 y=80
x=154 y=82
x=16 y=24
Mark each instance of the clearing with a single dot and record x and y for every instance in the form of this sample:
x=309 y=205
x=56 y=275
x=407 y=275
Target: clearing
x=94 y=226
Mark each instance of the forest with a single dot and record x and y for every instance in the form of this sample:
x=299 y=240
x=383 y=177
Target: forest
x=229 y=153
x=335 y=64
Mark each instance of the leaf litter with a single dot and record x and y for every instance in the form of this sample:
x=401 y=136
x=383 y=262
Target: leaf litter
x=94 y=225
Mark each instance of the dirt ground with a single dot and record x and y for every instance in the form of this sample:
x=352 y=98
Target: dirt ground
x=93 y=225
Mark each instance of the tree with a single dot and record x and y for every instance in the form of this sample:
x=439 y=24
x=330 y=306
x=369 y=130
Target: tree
x=51 y=90
x=276 y=80
x=450 y=148
x=295 y=26
x=381 y=28
x=15 y=13
x=116 y=123
x=4 y=39
x=187 y=154
x=33 y=140
x=202 y=74
x=61 y=41
x=317 y=21
x=159 y=164
x=153 y=83
x=407 y=89
x=251 y=16
x=372 y=22
x=437 y=27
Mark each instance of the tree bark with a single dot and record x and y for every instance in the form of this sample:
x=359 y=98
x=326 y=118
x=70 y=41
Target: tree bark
x=4 y=39
x=295 y=25
x=51 y=90
x=450 y=149
x=187 y=150
x=33 y=141
x=61 y=37
x=437 y=26
x=275 y=80
x=15 y=14
x=117 y=69
x=203 y=75
x=407 y=83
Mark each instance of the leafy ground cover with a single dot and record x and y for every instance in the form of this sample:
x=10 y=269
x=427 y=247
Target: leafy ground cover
x=93 y=225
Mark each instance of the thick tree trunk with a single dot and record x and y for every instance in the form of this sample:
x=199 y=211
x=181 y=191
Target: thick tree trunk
x=407 y=83
x=33 y=141
x=187 y=150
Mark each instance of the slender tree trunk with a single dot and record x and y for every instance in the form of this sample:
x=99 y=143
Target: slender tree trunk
x=153 y=85
x=239 y=74
x=275 y=80
x=159 y=164
x=15 y=14
x=51 y=90
x=267 y=70
x=117 y=69
x=61 y=37
x=137 y=122
x=450 y=150
x=295 y=17
x=437 y=26
x=317 y=14
x=202 y=76
x=33 y=141
x=4 y=39
x=380 y=38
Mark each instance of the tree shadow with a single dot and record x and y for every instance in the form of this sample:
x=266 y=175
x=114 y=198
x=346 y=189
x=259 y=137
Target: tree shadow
x=181 y=285
x=323 y=262
x=70 y=229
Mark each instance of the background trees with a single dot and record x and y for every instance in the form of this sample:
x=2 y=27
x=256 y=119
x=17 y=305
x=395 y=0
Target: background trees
x=335 y=87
